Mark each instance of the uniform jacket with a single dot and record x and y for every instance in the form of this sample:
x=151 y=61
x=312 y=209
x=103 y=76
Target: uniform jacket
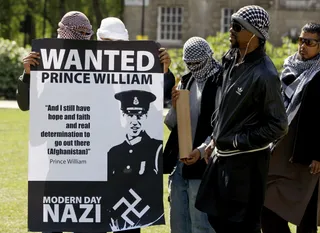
x=134 y=169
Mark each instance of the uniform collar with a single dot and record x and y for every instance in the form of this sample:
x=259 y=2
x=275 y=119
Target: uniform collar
x=143 y=135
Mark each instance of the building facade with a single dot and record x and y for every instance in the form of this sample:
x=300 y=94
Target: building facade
x=172 y=22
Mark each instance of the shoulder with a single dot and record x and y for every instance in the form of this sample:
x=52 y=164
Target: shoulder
x=266 y=72
x=117 y=148
x=156 y=142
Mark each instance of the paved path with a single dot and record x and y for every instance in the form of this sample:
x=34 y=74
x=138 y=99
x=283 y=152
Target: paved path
x=13 y=104
x=8 y=104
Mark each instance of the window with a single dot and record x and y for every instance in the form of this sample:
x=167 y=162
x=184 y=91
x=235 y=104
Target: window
x=300 y=4
x=170 y=21
x=226 y=19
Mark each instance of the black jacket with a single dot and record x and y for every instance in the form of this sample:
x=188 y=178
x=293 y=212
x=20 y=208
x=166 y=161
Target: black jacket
x=305 y=124
x=23 y=89
x=251 y=113
x=203 y=130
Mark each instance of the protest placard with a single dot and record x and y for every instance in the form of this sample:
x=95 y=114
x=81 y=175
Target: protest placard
x=95 y=136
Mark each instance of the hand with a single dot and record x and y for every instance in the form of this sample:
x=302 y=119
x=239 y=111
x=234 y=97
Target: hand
x=314 y=167
x=174 y=96
x=31 y=59
x=164 y=59
x=192 y=158
x=208 y=151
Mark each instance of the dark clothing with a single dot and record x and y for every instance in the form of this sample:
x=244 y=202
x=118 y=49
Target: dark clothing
x=235 y=191
x=131 y=169
x=251 y=107
x=308 y=117
x=273 y=223
x=203 y=130
x=250 y=116
x=290 y=185
x=134 y=163
x=23 y=89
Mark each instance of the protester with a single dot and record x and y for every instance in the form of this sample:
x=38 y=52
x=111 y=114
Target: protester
x=250 y=116
x=185 y=177
x=292 y=193
x=73 y=25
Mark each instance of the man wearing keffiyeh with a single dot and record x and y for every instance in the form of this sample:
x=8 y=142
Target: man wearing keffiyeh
x=74 y=25
x=185 y=178
x=249 y=117
x=293 y=184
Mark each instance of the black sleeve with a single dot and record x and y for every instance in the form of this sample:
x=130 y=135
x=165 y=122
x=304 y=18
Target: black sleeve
x=168 y=83
x=309 y=119
x=273 y=118
x=23 y=90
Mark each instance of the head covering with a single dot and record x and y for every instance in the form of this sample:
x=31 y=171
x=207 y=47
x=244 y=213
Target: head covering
x=113 y=29
x=197 y=55
x=255 y=19
x=72 y=24
x=135 y=102
x=293 y=88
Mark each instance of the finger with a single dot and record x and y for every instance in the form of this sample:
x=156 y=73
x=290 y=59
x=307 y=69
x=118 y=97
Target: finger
x=317 y=167
x=164 y=55
x=162 y=49
x=31 y=61
x=312 y=167
x=31 y=56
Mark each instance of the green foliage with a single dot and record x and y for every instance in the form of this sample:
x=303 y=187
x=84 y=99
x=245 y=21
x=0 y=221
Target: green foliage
x=220 y=44
x=11 y=67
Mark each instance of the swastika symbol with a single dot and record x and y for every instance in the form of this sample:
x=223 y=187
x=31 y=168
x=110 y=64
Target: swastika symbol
x=131 y=207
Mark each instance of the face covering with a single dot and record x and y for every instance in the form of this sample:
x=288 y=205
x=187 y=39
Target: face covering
x=197 y=55
x=75 y=25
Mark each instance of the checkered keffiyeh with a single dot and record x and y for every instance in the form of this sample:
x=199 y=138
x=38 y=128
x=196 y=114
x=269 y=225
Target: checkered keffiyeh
x=303 y=72
x=255 y=19
x=73 y=22
x=197 y=50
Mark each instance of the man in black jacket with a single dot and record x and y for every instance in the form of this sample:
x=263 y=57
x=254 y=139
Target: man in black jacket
x=251 y=115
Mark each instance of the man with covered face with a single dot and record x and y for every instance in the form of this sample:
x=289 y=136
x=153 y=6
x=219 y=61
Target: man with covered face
x=202 y=82
x=249 y=117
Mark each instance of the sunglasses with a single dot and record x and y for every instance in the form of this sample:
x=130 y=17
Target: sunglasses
x=308 y=42
x=237 y=27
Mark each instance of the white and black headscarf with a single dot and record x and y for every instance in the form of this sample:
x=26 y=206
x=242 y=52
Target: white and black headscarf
x=294 y=78
x=197 y=55
x=72 y=24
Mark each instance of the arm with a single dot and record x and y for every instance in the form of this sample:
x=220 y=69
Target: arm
x=168 y=84
x=23 y=90
x=203 y=146
x=171 y=117
x=273 y=118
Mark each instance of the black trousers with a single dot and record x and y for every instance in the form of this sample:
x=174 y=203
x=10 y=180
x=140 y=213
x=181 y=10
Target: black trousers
x=225 y=226
x=239 y=192
x=273 y=223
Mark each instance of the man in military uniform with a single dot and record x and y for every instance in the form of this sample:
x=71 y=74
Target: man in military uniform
x=133 y=165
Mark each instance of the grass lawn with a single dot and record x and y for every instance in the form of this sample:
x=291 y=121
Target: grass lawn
x=14 y=126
